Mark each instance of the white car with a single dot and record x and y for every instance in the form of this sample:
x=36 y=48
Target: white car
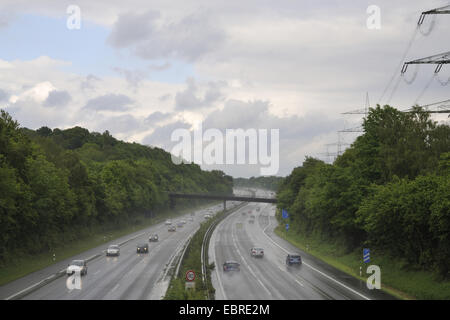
x=168 y=222
x=207 y=216
x=77 y=265
x=191 y=219
x=113 y=250
x=257 y=252
x=183 y=221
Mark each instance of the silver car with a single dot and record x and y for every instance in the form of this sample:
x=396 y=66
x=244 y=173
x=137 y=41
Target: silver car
x=113 y=250
x=257 y=252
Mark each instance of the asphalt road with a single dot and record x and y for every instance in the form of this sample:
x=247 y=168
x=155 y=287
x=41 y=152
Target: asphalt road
x=269 y=278
x=128 y=276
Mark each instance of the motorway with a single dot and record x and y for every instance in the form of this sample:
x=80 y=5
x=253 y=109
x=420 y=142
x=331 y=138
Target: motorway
x=146 y=276
x=269 y=278
x=128 y=276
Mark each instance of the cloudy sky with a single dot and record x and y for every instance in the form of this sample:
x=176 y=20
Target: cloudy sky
x=142 y=69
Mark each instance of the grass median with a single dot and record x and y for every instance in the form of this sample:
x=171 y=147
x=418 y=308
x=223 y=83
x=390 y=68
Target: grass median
x=192 y=261
x=397 y=278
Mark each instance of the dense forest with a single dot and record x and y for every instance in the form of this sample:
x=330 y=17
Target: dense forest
x=390 y=190
x=263 y=182
x=57 y=184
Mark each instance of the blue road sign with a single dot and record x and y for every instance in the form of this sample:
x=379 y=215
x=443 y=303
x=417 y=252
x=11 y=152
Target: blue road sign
x=287 y=226
x=284 y=214
x=366 y=255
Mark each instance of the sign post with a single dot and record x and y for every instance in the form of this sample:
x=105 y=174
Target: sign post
x=190 y=277
x=366 y=255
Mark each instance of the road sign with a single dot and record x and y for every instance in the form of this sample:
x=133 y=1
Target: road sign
x=287 y=226
x=284 y=214
x=189 y=285
x=366 y=255
x=190 y=275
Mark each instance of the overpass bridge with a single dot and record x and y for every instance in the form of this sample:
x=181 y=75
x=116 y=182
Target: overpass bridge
x=174 y=195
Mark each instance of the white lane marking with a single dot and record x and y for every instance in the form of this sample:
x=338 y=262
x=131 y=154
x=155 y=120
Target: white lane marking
x=115 y=287
x=299 y=282
x=318 y=271
x=96 y=272
x=215 y=262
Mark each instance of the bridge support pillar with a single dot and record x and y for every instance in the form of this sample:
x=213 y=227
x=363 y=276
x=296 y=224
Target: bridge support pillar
x=224 y=204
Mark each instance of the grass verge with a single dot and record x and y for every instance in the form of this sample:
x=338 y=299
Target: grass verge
x=26 y=264
x=396 y=278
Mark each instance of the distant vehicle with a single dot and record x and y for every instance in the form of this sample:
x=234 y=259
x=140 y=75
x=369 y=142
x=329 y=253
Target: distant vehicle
x=183 y=221
x=168 y=222
x=191 y=219
x=252 y=216
x=257 y=252
x=251 y=221
x=172 y=228
x=142 y=248
x=77 y=265
x=258 y=208
x=293 y=259
x=207 y=216
x=231 y=266
x=113 y=250
x=180 y=224
x=153 y=238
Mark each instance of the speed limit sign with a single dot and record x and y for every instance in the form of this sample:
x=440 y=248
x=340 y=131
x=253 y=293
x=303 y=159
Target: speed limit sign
x=190 y=275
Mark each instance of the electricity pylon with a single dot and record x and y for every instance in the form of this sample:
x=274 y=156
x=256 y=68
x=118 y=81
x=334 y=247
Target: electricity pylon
x=438 y=59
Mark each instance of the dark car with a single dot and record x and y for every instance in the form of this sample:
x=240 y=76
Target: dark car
x=142 y=248
x=231 y=266
x=153 y=238
x=293 y=259
x=172 y=229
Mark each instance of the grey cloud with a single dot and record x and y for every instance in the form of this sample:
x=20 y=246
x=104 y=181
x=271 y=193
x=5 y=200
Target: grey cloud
x=150 y=38
x=3 y=95
x=88 y=82
x=161 y=135
x=5 y=19
x=132 y=28
x=133 y=77
x=296 y=133
x=161 y=67
x=57 y=99
x=255 y=114
x=165 y=97
x=110 y=102
x=188 y=99
x=157 y=116
x=123 y=124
